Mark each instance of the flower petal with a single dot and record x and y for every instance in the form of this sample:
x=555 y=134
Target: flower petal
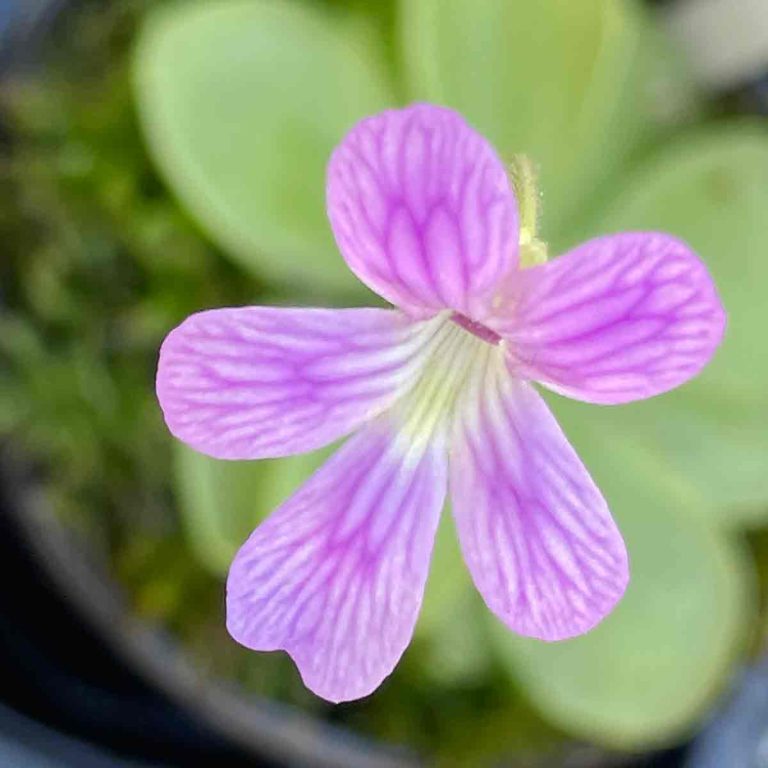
x=422 y=210
x=335 y=576
x=535 y=532
x=258 y=382
x=619 y=318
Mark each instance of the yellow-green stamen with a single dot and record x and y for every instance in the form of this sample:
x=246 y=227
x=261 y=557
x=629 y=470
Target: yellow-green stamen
x=454 y=357
x=524 y=178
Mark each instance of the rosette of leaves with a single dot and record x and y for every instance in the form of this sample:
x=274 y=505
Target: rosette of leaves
x=241 y=102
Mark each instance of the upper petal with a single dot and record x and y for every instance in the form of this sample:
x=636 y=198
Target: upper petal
x=336 y=575
x=422 y=210
x=619 y=318
x=540 y=543
x=258 y=382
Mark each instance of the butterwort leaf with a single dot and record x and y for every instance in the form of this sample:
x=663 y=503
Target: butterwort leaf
x=241 y=103
x=562 y=82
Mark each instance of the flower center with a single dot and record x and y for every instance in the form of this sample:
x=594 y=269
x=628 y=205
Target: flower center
x=456 y=359
x=522 y=174
x=475 y=328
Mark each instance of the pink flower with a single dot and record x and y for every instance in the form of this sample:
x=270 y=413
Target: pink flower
x=439 y=394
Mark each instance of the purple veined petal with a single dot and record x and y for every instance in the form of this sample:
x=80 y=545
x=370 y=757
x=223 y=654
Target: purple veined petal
x=537 y=536
x=259 y=382
x=335 y=576
x=619 y=318
x=422 y=210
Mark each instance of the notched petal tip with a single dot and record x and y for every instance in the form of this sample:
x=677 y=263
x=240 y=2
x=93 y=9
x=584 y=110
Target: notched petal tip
x=333 y=694
x=238 y=629
x=422 y=209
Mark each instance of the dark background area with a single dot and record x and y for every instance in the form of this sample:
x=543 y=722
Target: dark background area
x=59 y=678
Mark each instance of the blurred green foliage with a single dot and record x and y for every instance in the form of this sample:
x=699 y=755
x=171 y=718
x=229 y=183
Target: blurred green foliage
x=240 y=103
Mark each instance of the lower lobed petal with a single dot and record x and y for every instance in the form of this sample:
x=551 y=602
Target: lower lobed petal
x=336 y=575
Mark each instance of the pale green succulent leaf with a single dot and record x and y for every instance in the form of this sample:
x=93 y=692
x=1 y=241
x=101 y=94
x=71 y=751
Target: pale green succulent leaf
x=242 y=102
x=569 y=84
